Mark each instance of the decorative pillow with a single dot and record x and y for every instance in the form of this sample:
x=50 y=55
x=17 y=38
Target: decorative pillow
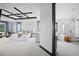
x=23 y=37
x=29 y=35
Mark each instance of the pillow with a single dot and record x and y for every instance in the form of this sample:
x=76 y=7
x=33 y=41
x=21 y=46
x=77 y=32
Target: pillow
x=19 y=35
x=14 y=37
x=29 y=35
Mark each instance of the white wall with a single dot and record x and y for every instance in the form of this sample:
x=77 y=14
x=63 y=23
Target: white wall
x=67 y=10
x=14 y=27
x=46 y=26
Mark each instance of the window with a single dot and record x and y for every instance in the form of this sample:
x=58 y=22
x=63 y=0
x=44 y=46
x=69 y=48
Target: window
x=18 y=27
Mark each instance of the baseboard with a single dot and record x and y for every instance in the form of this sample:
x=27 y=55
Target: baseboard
x=45 y=50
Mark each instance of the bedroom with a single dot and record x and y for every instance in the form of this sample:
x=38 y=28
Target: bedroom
x=24 y=29
x=18 y=31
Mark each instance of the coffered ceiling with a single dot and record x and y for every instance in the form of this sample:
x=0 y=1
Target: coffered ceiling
x=19 y=11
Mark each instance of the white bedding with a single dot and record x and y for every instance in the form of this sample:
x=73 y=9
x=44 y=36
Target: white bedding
x=23 y=46
x=16 y=47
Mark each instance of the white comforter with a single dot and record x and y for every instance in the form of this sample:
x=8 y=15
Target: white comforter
x=16 y=47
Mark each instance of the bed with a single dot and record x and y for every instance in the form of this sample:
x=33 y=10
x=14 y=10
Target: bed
x=15 y=46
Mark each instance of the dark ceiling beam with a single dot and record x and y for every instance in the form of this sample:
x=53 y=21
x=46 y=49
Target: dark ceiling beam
x=9 y=12
x=8 y=16
x=19 y=18
x=26 y=18
x=20 y=11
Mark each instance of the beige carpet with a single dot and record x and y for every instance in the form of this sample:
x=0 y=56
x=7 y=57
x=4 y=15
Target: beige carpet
x=28 y=47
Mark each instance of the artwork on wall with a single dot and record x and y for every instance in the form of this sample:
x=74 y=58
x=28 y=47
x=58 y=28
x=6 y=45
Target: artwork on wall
x=1 y=27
